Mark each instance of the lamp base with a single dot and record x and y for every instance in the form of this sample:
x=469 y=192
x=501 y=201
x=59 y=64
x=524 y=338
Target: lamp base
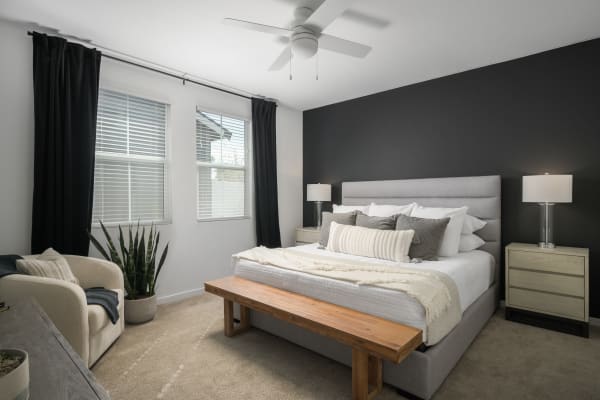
x=546 y=225
x=319 y=211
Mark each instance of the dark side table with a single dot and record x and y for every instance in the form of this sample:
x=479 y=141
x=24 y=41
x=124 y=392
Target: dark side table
x=56 y=372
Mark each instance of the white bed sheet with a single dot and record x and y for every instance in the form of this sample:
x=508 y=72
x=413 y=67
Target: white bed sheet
x=473 y=273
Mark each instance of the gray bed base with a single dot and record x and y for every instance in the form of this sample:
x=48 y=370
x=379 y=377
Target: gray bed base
x=421 y=373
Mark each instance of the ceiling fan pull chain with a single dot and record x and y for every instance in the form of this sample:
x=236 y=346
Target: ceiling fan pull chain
x=317 y=64
x=290 y=63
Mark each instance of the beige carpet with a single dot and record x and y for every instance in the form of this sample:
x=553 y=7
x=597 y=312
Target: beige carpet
x=183 y=354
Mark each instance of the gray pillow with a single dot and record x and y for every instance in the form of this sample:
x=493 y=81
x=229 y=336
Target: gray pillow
x=385 y=223
x=341 y=218
x=428 y=235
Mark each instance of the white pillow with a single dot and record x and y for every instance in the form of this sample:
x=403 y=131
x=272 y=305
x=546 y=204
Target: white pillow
x=49 y=264
x=451 y=239
x=366 y=242
x=470 y=242
x=387 y=210
x=338 y=209
x=472 y=224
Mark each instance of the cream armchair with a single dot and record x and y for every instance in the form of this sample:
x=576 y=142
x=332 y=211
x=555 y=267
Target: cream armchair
x=86 y=327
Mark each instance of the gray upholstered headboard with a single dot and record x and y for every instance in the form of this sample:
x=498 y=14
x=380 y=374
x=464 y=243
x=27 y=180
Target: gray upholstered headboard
x=480 y=193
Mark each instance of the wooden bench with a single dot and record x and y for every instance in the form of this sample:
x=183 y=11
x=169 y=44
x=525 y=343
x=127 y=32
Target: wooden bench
x=371 y=338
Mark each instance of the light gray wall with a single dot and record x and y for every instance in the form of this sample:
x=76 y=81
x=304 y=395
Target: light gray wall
x=16 y=139
x=198 y=251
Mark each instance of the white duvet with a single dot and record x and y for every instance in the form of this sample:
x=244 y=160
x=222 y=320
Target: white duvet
x=472 y=273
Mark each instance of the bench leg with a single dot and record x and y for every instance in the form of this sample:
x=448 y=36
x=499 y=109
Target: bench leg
x=230 y=329
x=244 y=318
x=375 y=375
x=228 y=314
x=366 y=371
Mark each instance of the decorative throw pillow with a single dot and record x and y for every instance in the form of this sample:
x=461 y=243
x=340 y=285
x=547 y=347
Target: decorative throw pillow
x=470 y=243
x=451 y=239
x=348 y=218
x=388 y=223
x=472 y=224
x=49 y=264
x=376 y=243
x=340 y=209
x=388 y=210
x=428 y=235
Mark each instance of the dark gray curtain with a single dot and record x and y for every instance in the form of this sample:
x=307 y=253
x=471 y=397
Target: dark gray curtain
x=265 y=173
x=65 y=86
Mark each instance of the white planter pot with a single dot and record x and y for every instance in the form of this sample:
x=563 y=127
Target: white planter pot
x=140 y=310
x=15 y=385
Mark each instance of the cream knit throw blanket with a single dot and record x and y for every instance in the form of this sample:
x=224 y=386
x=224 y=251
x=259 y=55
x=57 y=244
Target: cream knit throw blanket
x=435 y=290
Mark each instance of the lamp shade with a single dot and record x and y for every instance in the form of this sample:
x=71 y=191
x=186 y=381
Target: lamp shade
x=548 y=188
x=318 y=192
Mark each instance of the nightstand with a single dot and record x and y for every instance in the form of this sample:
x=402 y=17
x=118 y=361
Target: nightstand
x=307 y=234
x=548 y=287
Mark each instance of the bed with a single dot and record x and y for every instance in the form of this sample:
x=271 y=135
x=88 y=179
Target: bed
x=473 y=273
x=476 y=274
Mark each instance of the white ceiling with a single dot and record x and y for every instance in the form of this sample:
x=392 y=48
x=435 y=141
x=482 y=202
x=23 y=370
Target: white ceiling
x=423 y=40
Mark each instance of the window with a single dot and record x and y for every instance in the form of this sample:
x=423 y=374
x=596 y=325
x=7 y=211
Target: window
x=221 y=157
x=130 y=176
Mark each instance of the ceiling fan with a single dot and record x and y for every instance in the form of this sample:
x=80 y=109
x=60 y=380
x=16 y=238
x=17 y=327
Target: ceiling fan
x=305 y=35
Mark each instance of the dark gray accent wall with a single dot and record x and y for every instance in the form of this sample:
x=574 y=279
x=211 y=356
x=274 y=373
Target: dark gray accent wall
x=532 y=115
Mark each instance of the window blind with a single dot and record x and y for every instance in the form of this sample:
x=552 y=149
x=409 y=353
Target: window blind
x=130 y=175
x=221 y=152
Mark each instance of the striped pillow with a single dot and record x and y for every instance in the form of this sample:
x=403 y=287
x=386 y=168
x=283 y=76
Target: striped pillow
x=49 y=264
x=376 y=243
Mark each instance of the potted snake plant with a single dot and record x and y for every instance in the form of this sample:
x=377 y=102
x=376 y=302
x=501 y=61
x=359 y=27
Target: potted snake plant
x=14 y=374
x=138 y=260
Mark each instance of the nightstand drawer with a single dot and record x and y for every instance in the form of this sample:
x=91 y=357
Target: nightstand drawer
x=561 y=263
x=564 y=306
x=555 y=283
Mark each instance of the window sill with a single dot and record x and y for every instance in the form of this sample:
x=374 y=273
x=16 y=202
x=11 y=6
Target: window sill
x=126 y=223
x=222 y=219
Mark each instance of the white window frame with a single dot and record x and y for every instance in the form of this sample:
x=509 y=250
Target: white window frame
x=247 y=168
x=167 y=217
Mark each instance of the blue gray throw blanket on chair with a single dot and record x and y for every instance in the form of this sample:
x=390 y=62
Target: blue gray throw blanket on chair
x=105 y=298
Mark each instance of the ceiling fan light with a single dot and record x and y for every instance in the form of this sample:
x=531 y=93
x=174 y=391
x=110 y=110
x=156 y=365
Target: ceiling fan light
x=304 y=46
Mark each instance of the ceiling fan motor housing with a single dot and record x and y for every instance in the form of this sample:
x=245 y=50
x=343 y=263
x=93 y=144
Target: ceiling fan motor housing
x=304 y=42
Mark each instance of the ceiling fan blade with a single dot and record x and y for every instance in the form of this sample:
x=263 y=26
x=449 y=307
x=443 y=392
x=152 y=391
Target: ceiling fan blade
x=365 y=19
x=326 y=13
x=343 y=46
x=282 y=60
x=284 y=40
x=253 y=26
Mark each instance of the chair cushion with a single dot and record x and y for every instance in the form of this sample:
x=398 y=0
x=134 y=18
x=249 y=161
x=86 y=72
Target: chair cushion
x=98 y=318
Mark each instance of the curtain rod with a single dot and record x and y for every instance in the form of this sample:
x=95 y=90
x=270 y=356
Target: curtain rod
x=181 y=77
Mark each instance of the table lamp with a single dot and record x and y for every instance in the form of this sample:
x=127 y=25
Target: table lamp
x=318 y=193
x=546 y=190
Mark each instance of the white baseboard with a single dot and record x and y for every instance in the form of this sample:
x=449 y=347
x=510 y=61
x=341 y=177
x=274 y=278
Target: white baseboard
x=171 y=298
